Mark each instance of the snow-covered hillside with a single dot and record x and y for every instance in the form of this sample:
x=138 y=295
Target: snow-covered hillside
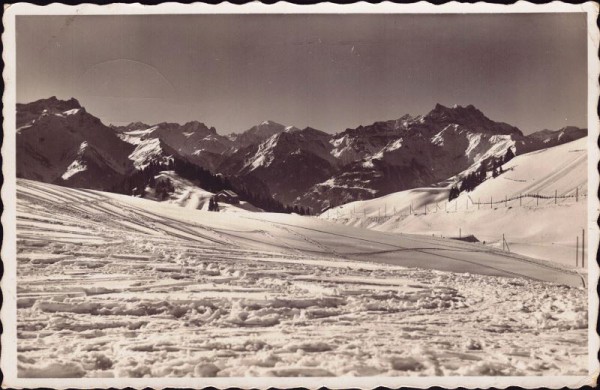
x=529 y=224
x=111 y=285
x=187 y=194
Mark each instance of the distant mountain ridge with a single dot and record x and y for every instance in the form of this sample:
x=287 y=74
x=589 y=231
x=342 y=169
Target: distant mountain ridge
x=560 y=136
x=307 y=167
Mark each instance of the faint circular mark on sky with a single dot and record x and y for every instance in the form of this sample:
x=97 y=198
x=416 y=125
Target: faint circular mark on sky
x=124 y=78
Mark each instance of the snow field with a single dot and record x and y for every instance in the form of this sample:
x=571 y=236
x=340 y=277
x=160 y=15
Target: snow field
x=108 y=288
x=532 y=227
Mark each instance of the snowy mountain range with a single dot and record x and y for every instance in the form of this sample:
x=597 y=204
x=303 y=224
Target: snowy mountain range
x=60 y=142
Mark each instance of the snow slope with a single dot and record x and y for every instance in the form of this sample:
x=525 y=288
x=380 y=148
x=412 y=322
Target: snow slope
x=530 y=225
x=116 y=286
x=190 y=196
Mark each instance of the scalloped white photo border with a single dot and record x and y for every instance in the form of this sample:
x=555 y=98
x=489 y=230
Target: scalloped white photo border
x=8 y=361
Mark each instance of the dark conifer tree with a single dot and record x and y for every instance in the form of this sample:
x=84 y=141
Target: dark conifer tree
x=509 y=155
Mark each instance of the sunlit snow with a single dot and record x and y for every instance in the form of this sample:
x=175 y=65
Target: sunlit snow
x=72 y=112
x=77 y=165
x=529 y=224
x=138 y=288
x=145 y=152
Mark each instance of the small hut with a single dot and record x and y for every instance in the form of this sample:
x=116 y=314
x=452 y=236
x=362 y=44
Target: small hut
x=227 y=196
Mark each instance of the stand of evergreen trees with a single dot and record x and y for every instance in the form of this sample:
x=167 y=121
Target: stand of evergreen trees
x=473 y=179
x=138 y=181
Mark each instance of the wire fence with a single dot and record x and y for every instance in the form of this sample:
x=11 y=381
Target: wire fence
x=390 y=214
x=345 y=214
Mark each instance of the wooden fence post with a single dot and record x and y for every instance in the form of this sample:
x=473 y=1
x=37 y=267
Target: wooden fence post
x=505 y=200
x=459 y=232
x=490 y=202
x=520 y=199
x=478 y=202
x=554 y=196
x=537 y=200
x=505 y=243
x=577 y=252
x=583 y=248
x=577 y=194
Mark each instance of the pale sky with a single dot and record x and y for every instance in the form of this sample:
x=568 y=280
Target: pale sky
x=329 y=72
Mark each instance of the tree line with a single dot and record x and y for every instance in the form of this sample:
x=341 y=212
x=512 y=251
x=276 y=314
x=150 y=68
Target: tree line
x=473 y=179
x=136 y=184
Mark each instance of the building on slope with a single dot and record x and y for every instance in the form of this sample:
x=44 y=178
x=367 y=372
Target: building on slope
x=227 y=196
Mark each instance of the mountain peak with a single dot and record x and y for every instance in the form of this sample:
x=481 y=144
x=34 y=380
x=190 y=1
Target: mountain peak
x=456 y=109
x=291 y=129
x=269 y=123
x=131 y=126
x=50 y=104
x=191 y=126
x=26 y=112
x=469 y=117
x=138 y=125
x=312 y=130
x=194 y=123
x=257 y=133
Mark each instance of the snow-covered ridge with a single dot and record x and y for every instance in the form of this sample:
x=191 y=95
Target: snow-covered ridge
x=135 y=137
x=264 y=155
x=145 y=152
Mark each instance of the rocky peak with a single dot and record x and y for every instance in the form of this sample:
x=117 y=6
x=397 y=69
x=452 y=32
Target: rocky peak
x=198 y=127
x=310 y=131
x=51 y=104
x=455 y=113
x=469 y=117
x=26 y=112
x=266 y=127
x=257 y=134
x=133 y=126
x=138 y=126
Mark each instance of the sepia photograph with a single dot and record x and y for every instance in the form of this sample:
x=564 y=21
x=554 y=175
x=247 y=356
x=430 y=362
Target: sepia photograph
x=281 y=195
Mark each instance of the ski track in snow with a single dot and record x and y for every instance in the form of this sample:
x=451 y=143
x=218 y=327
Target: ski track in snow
x=110 y=286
